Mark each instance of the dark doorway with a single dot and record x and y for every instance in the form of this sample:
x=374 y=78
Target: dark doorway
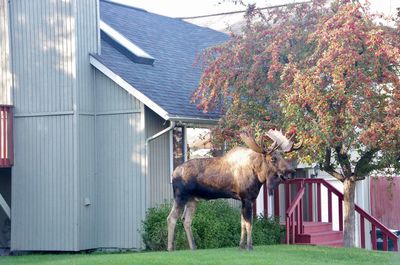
x=5 y=222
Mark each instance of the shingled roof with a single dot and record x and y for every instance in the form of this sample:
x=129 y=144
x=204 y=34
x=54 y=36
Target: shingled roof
x=168 y=83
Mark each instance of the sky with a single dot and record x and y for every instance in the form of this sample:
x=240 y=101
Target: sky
x=187 y=8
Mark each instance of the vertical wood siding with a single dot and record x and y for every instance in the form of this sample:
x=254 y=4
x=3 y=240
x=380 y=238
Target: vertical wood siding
x=159 y=160
x=120 y=173
x=385 y=198
x=44 y=55
x=86 y=42
x=43 y=186
x=44 y=215
x=5 y=71
x=109 y=96
x=87 y=183
x=54 y=120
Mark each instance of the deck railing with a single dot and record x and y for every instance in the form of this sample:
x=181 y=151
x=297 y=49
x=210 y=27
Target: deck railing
x=6 y=136
x=294 y=217
x=305 y=199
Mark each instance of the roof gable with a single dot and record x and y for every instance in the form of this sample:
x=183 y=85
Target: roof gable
x=174 y=44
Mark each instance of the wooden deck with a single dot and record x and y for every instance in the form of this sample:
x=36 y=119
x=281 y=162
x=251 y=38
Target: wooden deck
x=6 y=136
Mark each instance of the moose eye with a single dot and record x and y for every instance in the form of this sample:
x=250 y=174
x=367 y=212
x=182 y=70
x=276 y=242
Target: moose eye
x=273 y=159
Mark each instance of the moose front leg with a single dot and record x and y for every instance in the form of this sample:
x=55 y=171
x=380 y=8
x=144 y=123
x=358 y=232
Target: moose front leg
x=246 y=226
x=243 y=233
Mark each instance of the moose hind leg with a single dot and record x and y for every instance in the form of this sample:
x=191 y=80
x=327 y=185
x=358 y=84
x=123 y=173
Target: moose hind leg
x=247 y=216
x=187 y=223
x=171 y=221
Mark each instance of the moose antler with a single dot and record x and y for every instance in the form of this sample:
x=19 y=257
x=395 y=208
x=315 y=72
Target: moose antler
x=282 y=142
x=251 y=143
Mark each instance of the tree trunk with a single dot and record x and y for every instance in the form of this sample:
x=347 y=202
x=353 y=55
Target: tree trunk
x=349 y=187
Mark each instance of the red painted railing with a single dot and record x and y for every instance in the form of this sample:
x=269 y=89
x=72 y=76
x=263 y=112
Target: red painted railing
x=6 y=136
x=298 y=202
x=294 y=217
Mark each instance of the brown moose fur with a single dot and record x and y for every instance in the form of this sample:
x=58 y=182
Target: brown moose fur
x=238 y=175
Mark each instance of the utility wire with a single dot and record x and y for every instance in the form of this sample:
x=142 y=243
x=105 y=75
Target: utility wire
x=242 y=11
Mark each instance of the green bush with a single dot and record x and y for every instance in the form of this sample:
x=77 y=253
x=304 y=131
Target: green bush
x=216 y=224
x=266 y=231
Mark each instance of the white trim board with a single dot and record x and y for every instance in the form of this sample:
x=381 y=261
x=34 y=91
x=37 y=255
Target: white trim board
x=124 y=42
x=129 y=88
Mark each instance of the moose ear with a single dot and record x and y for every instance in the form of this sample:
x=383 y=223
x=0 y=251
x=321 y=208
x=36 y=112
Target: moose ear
x=251 y=143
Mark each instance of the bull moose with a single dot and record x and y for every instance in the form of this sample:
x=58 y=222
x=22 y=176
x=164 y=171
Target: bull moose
x=239 y=175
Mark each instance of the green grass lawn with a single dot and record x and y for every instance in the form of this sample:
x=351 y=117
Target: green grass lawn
x=278 y=254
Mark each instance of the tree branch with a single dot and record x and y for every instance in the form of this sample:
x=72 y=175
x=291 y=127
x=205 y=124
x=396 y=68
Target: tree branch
x=327 y=166
x=344 y=161
x=364 y=166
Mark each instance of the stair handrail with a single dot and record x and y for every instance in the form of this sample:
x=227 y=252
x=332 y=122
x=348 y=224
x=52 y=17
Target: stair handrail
x=295 y=207
x=374 y=222
x=387 y=234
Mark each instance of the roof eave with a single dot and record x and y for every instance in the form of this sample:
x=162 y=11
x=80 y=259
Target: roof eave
x=191 y=121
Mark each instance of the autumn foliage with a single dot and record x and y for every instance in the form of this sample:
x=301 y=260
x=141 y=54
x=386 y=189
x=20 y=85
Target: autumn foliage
x=329 y=70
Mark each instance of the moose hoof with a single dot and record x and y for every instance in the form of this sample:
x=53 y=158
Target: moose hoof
x=242 y=246
x=249 y=247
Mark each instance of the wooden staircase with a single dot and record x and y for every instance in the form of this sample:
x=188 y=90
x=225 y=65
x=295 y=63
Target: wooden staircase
x=320 y=233
x=312 y=230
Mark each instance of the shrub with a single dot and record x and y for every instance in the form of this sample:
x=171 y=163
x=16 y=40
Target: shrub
x=154 y=228
x=267 y=231
x=216 y=224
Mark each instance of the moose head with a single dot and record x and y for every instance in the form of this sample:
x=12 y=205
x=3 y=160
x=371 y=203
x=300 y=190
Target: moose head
x=275 y=168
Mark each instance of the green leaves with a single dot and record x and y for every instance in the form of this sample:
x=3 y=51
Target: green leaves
x=216 y=224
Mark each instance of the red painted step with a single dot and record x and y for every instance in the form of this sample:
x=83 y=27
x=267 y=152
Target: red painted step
x=337 y=243
x=320 y=237
x=315 y=227
x=320 y=233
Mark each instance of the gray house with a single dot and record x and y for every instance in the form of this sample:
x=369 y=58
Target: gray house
x=91 y=94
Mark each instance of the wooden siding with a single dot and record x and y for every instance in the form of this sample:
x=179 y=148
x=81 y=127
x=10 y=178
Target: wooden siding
x=120 y=182
x=87 y=199
x=159 y=160
x=86 y=42
x=385 y=198
x=44 y=215
x=53 y=95
x=5 y=71
x=44 y=55
x=109 y=98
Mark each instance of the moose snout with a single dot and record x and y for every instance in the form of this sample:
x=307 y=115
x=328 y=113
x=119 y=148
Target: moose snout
x=290 y=174
x=283 y=177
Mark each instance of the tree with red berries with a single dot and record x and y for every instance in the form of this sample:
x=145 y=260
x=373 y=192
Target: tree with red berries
x=328 y=70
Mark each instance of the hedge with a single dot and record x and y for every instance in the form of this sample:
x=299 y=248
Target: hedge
x=216 y=224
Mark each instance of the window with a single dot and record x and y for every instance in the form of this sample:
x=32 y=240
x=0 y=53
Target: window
x=178 y=141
